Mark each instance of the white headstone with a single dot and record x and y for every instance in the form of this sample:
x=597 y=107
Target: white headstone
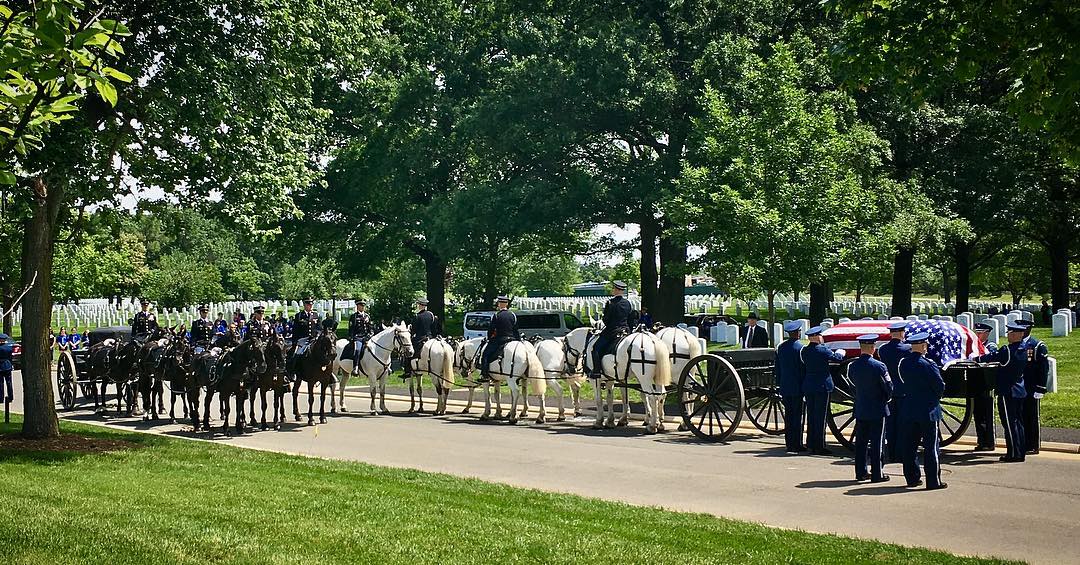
x=826 y=324
x=842 y=320
x=716 y=333
x=1071 y=315
x=996 y=330
x=1051 y=382
x=1002 y=321
x=1060 y=325
x=965 y=319
x=693 y=330
x=732 y=337
x=778 y=332
x=912 y=318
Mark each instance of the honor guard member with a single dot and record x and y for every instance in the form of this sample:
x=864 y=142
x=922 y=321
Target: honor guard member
x=617 y=314
x=983 y=403
x=360 y=331
x=816 y=386
x=1011 y=391
x=502 y=330
x=873 y=388
x=305 y=327
x=144 y=323
x=923 y=386
x=789 y=378
x=1036 y=376
x=891 y=353
x=422 y=329
x=7 y=365
x=202 y=330
x=257 y=326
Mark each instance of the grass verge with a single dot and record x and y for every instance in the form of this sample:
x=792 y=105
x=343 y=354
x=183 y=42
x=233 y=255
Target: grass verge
x=177 y=501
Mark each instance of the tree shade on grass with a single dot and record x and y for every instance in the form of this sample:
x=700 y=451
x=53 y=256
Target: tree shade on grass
x=176 y=501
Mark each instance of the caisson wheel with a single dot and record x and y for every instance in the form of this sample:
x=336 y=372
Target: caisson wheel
x=842 y=411
x=711 y=397
x=765 y=408
x=65 y=380
x=956 y=416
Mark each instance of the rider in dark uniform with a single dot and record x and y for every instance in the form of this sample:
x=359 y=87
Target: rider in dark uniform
x=617 y=314
x=422 y=329
x=305 y=327
x=144 y=323
x=257 y=327
x=202 y=330
x=360 y=330
x=502 y=330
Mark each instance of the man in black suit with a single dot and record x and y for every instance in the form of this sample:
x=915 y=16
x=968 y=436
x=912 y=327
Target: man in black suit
x=752 y=334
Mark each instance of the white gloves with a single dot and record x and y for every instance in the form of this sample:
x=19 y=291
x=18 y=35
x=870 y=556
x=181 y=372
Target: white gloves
x=1037 y=395
x=974 y=355
x=842 y=352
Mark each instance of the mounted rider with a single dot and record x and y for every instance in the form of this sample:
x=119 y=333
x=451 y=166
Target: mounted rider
x=305 y=327
x=618 y=313
x=202 y=330
x=257 y=326
x=360 y=331
x=502 y=330
x=144 y=323
x=422 y=328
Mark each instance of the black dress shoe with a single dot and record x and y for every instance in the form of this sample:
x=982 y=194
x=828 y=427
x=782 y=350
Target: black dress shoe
x=801 y=449
x=862 y=477
x=822 y=452
x=1008 y=459
x=881 y=479
x=917 y=483
x=1029 y=452
x=937 y=486
x=984 y=448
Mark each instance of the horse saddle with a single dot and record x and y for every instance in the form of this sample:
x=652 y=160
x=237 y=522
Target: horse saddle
x=349 y=350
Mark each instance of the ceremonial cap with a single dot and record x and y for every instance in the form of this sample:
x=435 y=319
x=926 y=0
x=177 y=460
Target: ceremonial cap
x=983 y=327
x=204 y=308
x=309 y=300
x=897 y=326
x=144 y=301
x=361 y=302
x=502 y=298
x=1016 y=327
x=920 y=337
x=816 y=330
x=792 y=326
x=422 y=302
x=619 y=285
x=260 y=309
x=868 y=338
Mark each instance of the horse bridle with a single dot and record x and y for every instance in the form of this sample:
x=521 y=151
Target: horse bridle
x=399 y=343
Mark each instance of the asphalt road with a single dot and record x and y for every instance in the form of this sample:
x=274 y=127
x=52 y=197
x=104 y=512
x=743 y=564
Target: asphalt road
x=1027 y=511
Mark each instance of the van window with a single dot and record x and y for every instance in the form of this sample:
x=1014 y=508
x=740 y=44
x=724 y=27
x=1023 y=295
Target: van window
x=539 y=321
x=572 y=322
x=477 y=322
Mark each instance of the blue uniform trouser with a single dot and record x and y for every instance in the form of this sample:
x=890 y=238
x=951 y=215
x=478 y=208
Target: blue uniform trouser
x=1029 y=418
x=926 y=433
x=1012 y=420
x=869 y=435
x=817 y=404
x=5 y=380
x=894 y=449
x=600 y=348
x=984 y=419
x=793 y=422
x=492 y=350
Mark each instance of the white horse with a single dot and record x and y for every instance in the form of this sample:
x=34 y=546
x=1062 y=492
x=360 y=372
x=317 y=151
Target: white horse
x=562 y=362
x=683 y=347
x=466 y=356
x=519 y=368
x=644 y=356
x=436 y=359
x=375 y=362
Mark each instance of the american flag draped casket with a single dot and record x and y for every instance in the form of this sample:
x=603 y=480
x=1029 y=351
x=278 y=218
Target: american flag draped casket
x=948 y=341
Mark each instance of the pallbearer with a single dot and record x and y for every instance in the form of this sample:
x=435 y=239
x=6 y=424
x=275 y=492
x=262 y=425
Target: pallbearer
x=984 y=402
x=1036 y=376
x=817 y=385
x=873 y=387
x=921 y=413
x=891 y=353
x=789 y=378
x=1010 y=391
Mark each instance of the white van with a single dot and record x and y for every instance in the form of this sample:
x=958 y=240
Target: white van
x=545 y=323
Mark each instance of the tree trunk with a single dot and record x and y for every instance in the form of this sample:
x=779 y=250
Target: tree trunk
x=962 y=256
x=435 y=282
x=1059 y=274
x=491 y=277
x=817 y=302
x=648 y=264
x=39 y=420
x=671 y=296
x=7 y=301
x=903 y=264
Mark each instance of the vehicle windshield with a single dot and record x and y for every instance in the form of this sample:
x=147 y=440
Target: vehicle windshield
x=477 y=321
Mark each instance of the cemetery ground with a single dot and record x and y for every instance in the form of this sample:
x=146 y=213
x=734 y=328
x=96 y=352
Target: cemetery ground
x=149 y=498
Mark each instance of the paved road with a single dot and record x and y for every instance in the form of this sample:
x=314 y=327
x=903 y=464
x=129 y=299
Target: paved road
x=1029 y=512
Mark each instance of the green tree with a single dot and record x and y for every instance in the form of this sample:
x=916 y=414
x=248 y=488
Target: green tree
x=556 y=273
x=180 y=280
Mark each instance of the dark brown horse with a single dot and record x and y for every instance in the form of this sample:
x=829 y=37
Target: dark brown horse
x=272 y=379
x=226 y=374
x=315 y=366
x=176 y=369
x=149 y=365
x=113 y=361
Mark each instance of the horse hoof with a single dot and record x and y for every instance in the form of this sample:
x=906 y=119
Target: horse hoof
x=650 y=430
x=660 y=428
x=560 y=419
x=540 y=420
x=298 y=418
x=277 y=427
x=311 y=422
x=323 y=420
x=172 y=420
x=465 y=411
x=384 y=412
x=263 y=427
x=332 y=411
x=682 y=427
x=610 y=425
x=597 y=426
x=484 y=418
x=621 y=424
x=343 y=409
x=511 y=421
x=578 y=413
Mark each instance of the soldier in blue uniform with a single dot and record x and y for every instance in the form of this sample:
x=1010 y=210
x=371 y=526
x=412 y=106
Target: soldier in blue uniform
x=891 y=353
x=7 y=355
x=617 y=314
x=1036 y=377
x=360 y=331
x=257 y=326
x=422 y=329
x=921 y=413
x=1011 y=391
x=789 y=377
x=144 y=323
x=305 y=327
x=983 y=403
x=873 y=387
x=817 y=385
x=502 y=330
x=202 y=330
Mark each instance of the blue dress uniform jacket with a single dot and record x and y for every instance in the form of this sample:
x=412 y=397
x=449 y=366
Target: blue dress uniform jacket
x=143 y=324
x=1036 y=377
x=891 y=353
x=789 y=368
x=918 y=422
x=873 y=387
x=1011 y=393
x=815 y=358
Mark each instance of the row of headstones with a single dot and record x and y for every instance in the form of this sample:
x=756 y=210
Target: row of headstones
x=81 y=316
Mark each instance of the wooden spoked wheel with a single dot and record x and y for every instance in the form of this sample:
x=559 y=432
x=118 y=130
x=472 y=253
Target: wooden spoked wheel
x=711 y=397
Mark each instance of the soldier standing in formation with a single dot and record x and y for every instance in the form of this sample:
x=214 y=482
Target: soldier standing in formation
x=502 y=330
x=873 y=388
x=305 y=327
x=891 y=353
x=202 y=330
x=617 y=314
x=983 y=404
x=144 y=323
x=360 y=331
x=816 y=387
x=257 y=327
x=1036 y=376
x=921 y=412
x=789 y=378
x=1011 y=391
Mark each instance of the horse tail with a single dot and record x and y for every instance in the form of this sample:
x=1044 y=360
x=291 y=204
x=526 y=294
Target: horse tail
x=694 y=345
x=447 y=375
x=662 y=375
x=535 y=370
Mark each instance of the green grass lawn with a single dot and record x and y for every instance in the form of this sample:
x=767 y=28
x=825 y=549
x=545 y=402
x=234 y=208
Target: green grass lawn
x=178 y=501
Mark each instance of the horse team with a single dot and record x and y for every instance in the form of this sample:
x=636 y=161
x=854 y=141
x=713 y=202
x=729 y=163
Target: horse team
x=239 y=370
